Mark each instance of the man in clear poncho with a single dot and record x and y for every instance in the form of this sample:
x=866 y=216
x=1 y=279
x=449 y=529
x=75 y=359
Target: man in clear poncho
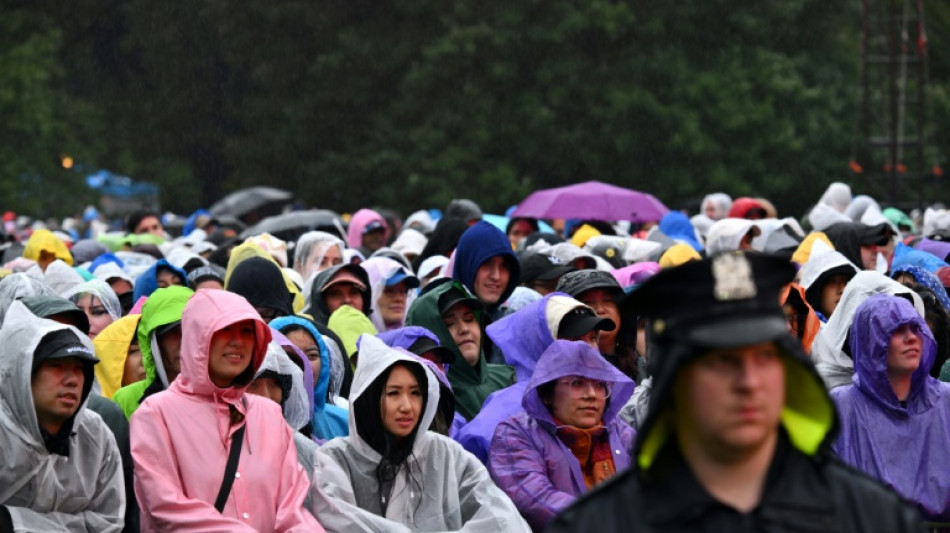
x=59 y=468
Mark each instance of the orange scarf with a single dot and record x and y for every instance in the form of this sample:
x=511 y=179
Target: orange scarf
x=591 y=447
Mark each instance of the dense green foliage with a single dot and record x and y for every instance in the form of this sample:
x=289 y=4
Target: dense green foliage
x=409 y=104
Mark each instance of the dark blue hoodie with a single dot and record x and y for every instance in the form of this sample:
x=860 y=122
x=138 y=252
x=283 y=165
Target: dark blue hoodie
x=478 y=244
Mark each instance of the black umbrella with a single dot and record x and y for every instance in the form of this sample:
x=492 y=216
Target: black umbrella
x=252 y=204
x=290 y=226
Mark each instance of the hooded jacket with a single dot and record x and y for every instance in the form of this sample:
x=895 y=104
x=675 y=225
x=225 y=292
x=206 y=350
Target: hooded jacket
x=46 y=491
x=261 y=282
x=827 y=350
x=528 y=460
x=251 y=249
x=359 y=221
x=448 y=490
x=846 y=238
x=522 y=336
x=677 y=226
x=805 y=490
x=901 y=444
x=318 y=307
x=329 y=421
x=112 y=349
x=472 y=385
x=163 y=307
x=147 y=282
x=378 y=270
x=43 y=240
x=478 y=244
x=181 y=438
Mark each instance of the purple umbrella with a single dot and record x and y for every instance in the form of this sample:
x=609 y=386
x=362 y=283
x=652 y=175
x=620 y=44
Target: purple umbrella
x=592 y=200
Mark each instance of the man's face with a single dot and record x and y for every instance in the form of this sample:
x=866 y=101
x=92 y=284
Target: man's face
x=728 y=402
x=57 y=391
x=166 y=278
x=170 y=345
x=831 y=293
x=150 y=225
x=869 y=256
x=340 y=294
x=375 y=239
x=491 y=280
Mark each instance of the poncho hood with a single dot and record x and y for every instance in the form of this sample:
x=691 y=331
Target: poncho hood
x=112 y=349
x=262 y=283
x=524 y=335
x=318 y=306
x=163 y=307
x=575 y=358
x=207 y=312
x=875 y=321
x=359 y=221
x=378 y=270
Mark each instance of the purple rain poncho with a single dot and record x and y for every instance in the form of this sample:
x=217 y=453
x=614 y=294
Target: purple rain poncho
x=522 y=336
x=529 y=462
x=904 y=447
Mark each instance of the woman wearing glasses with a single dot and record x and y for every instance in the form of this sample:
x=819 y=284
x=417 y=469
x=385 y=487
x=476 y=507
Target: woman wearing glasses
x=569 y=438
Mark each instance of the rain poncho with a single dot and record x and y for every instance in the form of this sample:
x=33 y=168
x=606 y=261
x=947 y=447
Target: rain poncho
x=250 y=249
x=677 y=226
x=349 y=324
x=445 y=489
x=309 y=252
x=359 y=221
x=46 y=491
x=181 y=439
x=147 y=282
x=522 y=336
x=261 y=282
x=17 y=286
x=940 y=249
x=834 y=365
x=380 y=269
x=328 y=420
x=318 y=307
x=726 y=235
x=99 y=289
x=926 y=279
x=112 y=348
x=529 y=462
x=905 y=255
x=472 y=385
x=59 y=276
x=716 y=205
x=306 y=374
x=903 y=445
x=163 y=307
x=43 y=240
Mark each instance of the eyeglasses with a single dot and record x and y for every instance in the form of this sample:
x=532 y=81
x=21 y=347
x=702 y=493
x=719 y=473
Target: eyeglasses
x=580 y=387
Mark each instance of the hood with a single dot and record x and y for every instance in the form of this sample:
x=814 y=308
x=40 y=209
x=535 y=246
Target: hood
x=742 y=206
x=261 y=282
x=874 y=322
x=277 y=365
x=378 y=270
x=349 y=324
x=905 y=255
x=827 y=348
x=20 y=335
x=803 y=253
x=928 y=280
x=251 y=249
x=375 y=357
x=361 y=219
x=43 y=240
x=323 y=378
x=941 y=249
x=818 y=264
x=726 y=235
x=310 y=249
x=425 y=312
x=99 y=289
x=575 y=358
x=296 y=355
x=147 y=282
x=823 y=216
x=16 y=286
x=524 y=335
x=112 y=348
x=796 y=293
x=205 y=313
x=808 y=416
x=61 y=277
x=846 y=238
x=478 y=244
x=720 y=203
x=406 y=337
x=318 y=307
x=163 y=307
x=836 y=196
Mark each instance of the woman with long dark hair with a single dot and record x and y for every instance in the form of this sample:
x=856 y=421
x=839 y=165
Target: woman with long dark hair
x=391 y=474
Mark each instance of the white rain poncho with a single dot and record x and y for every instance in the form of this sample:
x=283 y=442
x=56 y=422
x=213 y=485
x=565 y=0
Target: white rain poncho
x=835 y=366
x=819 y=263
x=60 y=277
x=17 y=286
x=726 y=235
x=309 y=252
x=822 y=216
x=46 y=491
x=449 y=490
x=99 y=289
x=380 y=269
x=110 y=270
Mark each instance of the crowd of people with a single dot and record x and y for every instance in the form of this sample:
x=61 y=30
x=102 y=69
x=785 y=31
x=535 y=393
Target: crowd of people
x=726 y=371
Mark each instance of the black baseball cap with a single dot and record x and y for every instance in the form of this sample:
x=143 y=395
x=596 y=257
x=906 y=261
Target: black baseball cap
x=542 y=267
x=581 y=320
x=456 y=295
x=424 y=345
